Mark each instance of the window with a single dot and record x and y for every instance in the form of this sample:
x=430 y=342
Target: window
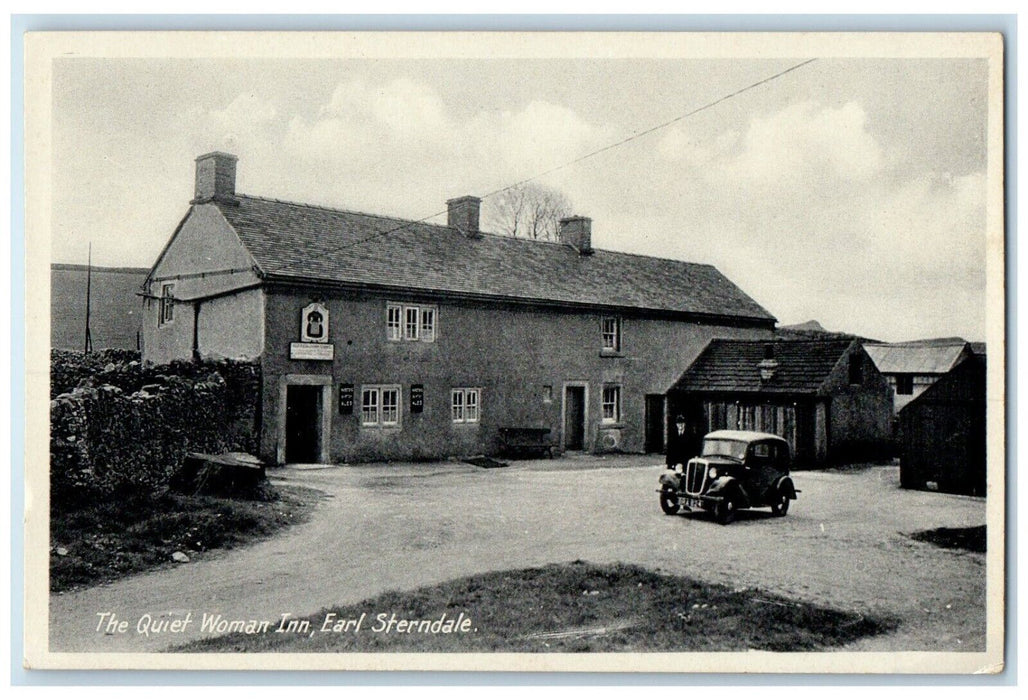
x=428 y=325
x=611 y=404
x=905 y=384
x=380 y=405
x=464 y=405
x=856 y=369
x=167 y=309
x=410 y=329
x=405 y=322
x=612 y=334
x=393 y=331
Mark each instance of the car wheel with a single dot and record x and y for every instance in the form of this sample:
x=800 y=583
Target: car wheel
x=780 y=506
x=726 y=510
x=668 y=501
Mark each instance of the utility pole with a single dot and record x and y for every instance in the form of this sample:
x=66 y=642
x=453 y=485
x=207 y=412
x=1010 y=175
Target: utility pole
x=89 y=284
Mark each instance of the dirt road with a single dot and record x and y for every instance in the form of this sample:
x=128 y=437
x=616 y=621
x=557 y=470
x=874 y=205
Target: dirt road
x=391 y=527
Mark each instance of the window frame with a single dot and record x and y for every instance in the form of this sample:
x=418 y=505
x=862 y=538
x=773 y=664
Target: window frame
x=166 y=308
x=394 y=331
x=904 y=384
x=614 y=334
x=378 y=391
x=615 y=404
x=460 y=403
x=413 y=323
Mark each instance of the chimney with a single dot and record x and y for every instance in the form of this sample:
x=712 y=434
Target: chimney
x=768 y=365
x=577 y=232
x=216 y=178
x=462 y=214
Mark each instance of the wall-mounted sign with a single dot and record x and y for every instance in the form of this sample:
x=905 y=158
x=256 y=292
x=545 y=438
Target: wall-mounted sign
x=345 y=399
x=314 y=324
x=311 y=351
x=417 y=398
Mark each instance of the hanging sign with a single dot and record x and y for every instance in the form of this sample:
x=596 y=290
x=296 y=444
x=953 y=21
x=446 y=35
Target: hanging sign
x=345 y=399
x=314 y=324
x=417 y=398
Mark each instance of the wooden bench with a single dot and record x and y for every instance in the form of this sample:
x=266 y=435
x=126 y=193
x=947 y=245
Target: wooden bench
x=526 y=440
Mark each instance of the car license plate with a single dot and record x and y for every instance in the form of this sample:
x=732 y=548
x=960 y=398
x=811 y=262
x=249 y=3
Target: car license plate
x=693 y=503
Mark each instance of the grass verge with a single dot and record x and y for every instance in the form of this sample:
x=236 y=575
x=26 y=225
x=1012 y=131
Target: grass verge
x=576 y=607
x=101 y=542
x=971 y=539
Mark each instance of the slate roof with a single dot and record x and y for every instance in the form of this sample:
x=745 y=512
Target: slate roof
x=732 y=366
x=916 y=357
x=303 y=242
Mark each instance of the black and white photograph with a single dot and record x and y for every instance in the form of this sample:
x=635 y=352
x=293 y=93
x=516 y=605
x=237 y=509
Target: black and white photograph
x=666 y=352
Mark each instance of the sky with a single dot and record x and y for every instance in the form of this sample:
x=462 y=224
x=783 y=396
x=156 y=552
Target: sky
x=850 y=191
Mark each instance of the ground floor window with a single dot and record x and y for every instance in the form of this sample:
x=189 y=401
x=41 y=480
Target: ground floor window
x=611 y=404
x=464 y=405
x=380 y=405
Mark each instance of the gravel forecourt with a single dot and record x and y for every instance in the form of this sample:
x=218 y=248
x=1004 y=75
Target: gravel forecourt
x=402 y=526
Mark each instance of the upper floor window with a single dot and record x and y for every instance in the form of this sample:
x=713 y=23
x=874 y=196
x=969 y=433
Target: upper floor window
x=380 y=405
x=167 y=308
x=611 y=404
x=409 y=322
x=464 y=405
x=856 y=369
x=904 y=384
x=611 y=334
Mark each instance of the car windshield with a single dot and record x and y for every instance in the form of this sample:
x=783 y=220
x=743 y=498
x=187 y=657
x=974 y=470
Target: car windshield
x=719 y=447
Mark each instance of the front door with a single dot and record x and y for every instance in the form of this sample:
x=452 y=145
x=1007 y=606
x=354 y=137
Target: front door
x=303 y=424
x=574 y=418
x=654 y=423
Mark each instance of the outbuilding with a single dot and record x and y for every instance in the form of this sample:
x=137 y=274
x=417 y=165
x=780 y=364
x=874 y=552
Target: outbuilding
x=825 y=397
x=942 y=433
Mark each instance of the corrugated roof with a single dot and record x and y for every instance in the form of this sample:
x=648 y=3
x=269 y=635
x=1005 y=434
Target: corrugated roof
x=315 y=243
x=733 y=366
x=916 y=357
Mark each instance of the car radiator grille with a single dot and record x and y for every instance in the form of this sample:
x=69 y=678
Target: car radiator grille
x=695 y=476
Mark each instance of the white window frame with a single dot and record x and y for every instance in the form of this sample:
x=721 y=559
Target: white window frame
x=610 y=408
x=426 y=319
x=611 y=340
x=378 y=404
x=411 y=323
x=394 y=328
x=166 y=309
x=466 y=405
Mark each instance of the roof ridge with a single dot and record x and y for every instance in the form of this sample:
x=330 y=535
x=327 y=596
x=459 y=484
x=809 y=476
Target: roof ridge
x=503 y=236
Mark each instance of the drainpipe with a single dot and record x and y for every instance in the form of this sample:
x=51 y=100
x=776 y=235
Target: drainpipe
x=196 y=331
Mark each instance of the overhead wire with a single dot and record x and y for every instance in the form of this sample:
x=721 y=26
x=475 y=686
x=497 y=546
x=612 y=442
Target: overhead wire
x=591 y=154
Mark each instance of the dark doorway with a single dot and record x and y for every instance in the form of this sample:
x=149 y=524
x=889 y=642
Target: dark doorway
x=303 y=424
x=654 y=423
x=574 y=418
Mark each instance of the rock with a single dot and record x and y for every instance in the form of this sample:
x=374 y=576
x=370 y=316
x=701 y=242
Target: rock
x=180 y=557
x=61 y=551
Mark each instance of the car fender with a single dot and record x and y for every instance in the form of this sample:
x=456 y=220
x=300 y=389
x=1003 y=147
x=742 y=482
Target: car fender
x=784 y=483
x=672 y=479
x=724 y=485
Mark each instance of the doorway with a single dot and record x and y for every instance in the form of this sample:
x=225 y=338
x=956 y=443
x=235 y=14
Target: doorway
x=574 y=417
x=655 y=422
x=303 y=424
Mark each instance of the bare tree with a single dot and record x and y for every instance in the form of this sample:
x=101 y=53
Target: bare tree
x=529 y=211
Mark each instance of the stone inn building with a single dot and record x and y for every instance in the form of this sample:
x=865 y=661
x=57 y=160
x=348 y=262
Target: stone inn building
x=385 y=339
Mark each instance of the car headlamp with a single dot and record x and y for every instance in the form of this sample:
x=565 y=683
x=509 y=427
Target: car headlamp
x=712 y=473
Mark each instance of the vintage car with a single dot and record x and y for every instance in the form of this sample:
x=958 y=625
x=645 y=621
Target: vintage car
x=735 y=469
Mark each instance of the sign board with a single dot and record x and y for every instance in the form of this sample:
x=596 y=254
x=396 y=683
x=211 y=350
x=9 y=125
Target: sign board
x=311 y=351
x=314 y=324
x=417 y=398
x=345 y=399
